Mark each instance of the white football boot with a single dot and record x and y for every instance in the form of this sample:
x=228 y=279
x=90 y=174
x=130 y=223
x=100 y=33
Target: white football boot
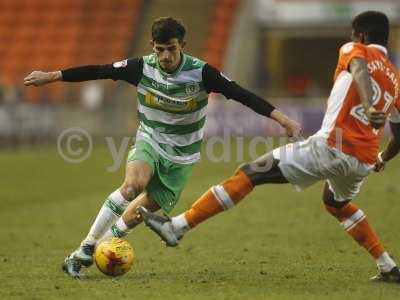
x=161 y=225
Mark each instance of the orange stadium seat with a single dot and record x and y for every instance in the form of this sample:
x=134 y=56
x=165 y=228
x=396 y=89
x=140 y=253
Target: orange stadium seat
x=49 y=34
x=219 y=30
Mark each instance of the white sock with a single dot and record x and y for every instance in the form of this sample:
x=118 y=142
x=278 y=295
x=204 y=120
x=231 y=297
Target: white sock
x=385 y=263
x=112 y=209
x=180 y=223
x=119 y=229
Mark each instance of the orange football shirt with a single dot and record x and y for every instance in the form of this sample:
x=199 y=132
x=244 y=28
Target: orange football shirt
x=345 y=124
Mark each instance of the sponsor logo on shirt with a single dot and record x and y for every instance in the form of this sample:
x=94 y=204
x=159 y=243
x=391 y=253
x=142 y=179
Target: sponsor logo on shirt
x=192 y=88
x=158 y=101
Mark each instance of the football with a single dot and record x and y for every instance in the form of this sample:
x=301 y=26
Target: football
x=114 y=257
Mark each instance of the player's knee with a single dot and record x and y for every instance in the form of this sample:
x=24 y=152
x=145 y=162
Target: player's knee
x=254 y=167
x=128 y=191
x=261 y=165
x=259 y=170
x=329 y=200
x=248 y=169
x=133 y=187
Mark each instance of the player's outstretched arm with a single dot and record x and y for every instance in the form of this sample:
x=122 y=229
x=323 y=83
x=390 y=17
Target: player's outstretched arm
x=129 y=70
x=39 y=78
x=216 y=82
x=359 y=71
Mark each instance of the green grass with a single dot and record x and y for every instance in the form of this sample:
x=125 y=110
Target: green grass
x=278 y=244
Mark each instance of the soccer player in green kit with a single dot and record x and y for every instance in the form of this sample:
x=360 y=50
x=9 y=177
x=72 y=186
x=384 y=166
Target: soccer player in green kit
x=173 y=90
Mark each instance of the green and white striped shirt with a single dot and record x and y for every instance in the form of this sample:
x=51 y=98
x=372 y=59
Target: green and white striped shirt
x=171 y=107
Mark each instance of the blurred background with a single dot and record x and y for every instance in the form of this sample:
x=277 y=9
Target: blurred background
x=284 y=50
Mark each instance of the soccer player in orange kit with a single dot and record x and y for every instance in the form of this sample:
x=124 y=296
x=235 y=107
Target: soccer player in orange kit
x=343 y=152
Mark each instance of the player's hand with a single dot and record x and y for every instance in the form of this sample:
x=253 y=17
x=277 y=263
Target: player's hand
x=39 y=78
x=293 y=128
x=380 y=164
x=376 y=118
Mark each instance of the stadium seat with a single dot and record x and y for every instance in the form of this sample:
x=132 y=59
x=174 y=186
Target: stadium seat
x=219 y=30
x=58 y=34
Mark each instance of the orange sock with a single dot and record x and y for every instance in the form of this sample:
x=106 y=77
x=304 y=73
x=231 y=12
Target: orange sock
x=356 y=224
x=219 y=198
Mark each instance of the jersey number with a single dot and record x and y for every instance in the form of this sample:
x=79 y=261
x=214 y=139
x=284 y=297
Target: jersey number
x=358 y=110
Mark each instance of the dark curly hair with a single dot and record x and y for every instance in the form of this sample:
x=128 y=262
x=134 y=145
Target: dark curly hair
x=166 y=28
x=374 y=25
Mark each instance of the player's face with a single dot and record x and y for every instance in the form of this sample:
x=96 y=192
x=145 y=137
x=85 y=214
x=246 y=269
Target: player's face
x=169 y=54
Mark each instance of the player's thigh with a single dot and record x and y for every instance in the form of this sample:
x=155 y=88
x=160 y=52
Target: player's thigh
x=168 y=182
x=141 y=162
x=138 y=170
x=297 y=164
x=137 y=176
x=345 y=185
x=344 y=189
x=328 y=197
x=264 y=169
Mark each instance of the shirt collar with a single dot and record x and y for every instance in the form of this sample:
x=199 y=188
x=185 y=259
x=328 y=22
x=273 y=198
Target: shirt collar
x=178 y=69
x=383 y=49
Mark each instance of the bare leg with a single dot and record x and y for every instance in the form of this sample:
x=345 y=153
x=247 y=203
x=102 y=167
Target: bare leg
x=138 y=175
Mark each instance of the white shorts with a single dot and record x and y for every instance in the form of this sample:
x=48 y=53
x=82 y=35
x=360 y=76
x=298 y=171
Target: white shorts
x=307 y=162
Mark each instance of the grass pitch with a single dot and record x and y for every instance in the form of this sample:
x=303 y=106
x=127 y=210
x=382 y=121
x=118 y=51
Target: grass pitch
x=278 y=244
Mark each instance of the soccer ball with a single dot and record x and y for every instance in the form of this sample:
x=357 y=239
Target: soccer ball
x=114 y=257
